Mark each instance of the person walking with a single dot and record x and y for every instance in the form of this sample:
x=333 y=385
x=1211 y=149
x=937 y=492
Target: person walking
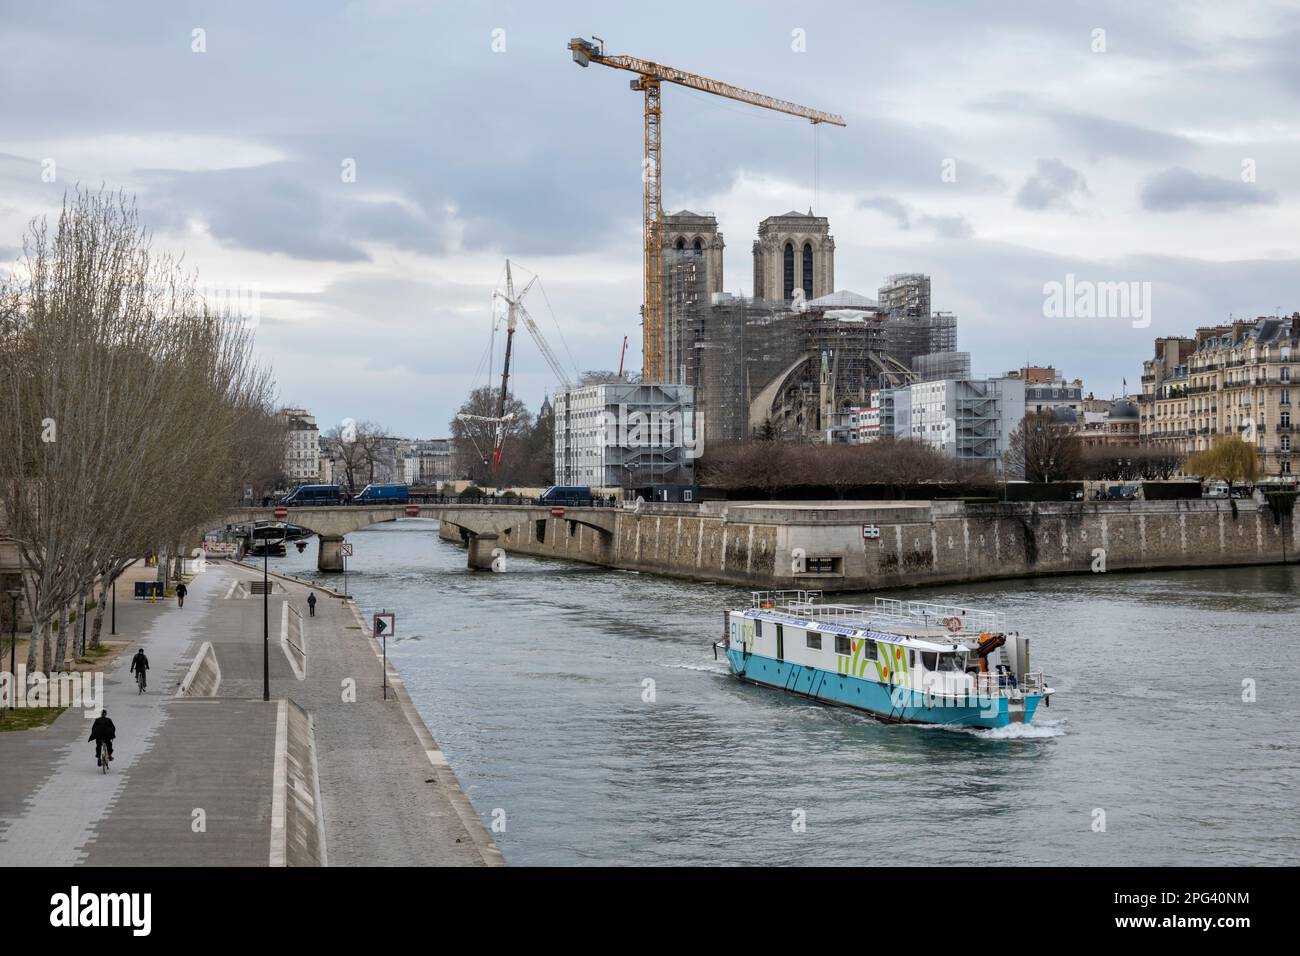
x=311 y=604
x=181 y=591
x=102 y=733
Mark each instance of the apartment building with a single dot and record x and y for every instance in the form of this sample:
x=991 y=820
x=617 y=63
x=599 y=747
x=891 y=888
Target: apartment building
x=302 y=447
x=616 y=434
x=1227 y=379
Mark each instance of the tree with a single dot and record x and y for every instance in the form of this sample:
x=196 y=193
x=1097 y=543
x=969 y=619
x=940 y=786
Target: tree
x=125 y=404
x=1229 y=459
x=358 y=447
x=473 y=435
x=1042 y=449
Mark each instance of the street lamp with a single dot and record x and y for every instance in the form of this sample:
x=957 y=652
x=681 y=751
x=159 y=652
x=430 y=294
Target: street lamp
x=266 y=624
x=14 y=594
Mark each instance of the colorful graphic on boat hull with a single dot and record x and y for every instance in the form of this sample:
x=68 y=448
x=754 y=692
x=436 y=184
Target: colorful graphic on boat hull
x=881 y=700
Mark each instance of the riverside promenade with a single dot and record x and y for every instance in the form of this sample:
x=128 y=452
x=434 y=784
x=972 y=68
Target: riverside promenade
x=207 y=773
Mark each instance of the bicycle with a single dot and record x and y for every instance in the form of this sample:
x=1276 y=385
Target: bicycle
x=101 y=755
x=139 y=679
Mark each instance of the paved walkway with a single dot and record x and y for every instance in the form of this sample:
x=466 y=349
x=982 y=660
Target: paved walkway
x=194 y=779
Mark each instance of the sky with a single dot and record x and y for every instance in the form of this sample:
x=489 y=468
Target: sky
x=358 y=173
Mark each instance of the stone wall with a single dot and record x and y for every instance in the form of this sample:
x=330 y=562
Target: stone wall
x=765 y=544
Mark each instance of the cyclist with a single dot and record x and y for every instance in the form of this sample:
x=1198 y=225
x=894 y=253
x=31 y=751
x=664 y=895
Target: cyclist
x=102 y=733
x=139 y=665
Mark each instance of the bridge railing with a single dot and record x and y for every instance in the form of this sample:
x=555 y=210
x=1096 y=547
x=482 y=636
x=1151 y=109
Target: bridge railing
x=596 y=501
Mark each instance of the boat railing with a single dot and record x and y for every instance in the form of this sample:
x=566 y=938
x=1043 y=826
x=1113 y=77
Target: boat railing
x=784 y=599
x=991 y=684
x=950 y=616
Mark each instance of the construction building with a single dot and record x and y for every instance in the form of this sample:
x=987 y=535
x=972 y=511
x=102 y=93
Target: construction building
x=1233 y=379
x=621 y=435
x=794 y=255
x=971 y=420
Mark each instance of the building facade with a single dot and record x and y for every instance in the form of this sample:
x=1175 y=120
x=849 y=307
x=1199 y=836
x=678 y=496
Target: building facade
x=615 y=434
x=970 y=420
x=426 y=462
x=1233 y=379
x=794 y=254
x=693 y=249
x=302 y=447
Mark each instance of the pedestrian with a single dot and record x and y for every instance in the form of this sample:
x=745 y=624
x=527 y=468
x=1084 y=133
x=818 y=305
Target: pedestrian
x=311 y=604
x=181 y=591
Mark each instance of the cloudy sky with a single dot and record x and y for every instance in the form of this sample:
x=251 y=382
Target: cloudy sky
x=1110 y=141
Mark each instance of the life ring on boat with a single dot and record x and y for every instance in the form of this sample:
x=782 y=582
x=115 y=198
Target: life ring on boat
x=952 y=623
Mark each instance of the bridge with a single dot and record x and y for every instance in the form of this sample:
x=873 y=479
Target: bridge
x=480 y=525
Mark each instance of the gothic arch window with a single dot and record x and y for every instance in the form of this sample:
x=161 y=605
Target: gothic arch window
x=680 y=244
x=699 y=246
x=787 y=288
x=807 y=270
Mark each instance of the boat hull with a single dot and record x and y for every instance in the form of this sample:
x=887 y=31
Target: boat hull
x=886 y=702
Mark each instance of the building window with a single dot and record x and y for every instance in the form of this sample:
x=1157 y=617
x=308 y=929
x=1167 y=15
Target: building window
x=807 y=270
x=787 y=288
x=814 y=641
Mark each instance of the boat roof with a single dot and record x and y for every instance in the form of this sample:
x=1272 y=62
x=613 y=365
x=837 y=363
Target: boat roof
x=926 y=626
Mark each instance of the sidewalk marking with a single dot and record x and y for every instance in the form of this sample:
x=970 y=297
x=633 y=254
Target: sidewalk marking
x=278 y=834
x=204 y=649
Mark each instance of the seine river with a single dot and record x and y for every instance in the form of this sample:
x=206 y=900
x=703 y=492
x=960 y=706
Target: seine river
x=583 y=710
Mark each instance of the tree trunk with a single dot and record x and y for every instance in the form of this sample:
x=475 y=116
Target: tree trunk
x=61 y=644
x=46 y=649
x=100 y=607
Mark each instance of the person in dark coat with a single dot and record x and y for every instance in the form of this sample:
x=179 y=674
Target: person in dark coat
x=311 y=604
x=102 y=733
x=140 y=664
x=181 y=591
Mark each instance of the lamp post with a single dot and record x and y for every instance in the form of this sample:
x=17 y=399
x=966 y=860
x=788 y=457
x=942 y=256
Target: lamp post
x=113 y=624
x=13 y=641
x=266 y=624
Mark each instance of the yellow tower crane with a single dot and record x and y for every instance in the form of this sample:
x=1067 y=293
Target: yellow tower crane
x=649 y=77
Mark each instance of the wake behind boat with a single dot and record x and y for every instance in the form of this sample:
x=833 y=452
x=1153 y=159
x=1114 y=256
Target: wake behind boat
x=902 y=661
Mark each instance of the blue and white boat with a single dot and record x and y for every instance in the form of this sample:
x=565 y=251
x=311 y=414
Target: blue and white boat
x=901 y=661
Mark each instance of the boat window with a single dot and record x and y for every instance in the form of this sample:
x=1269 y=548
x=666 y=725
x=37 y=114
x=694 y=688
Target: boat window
x=869 y=650
x=842 y=645
x=951 y=662
x=930 y=659
x=911 y=657
x=814 y=641
x=758 y=628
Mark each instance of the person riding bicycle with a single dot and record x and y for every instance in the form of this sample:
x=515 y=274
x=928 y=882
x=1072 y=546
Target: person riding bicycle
x=181 y=591
x=139 y=665
x=102 y=733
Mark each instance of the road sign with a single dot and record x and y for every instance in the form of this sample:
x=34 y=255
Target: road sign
x=385 y=624
x=281 y=513
x=345 y=549
x=412 y=511
x=871 y=531
x=557 y=512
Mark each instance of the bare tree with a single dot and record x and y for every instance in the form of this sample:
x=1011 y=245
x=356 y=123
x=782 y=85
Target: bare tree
x=1042 y=449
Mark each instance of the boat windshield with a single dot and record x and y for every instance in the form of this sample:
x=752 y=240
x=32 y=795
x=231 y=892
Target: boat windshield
x=952 y=662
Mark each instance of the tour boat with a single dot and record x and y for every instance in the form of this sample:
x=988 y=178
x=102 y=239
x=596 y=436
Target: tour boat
x=901 y=661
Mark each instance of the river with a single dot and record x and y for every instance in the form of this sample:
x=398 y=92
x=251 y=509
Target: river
x=585 y=716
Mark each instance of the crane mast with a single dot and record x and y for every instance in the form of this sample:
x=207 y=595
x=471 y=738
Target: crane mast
x=649 y=77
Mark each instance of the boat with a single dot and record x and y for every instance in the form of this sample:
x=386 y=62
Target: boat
x=900 y=661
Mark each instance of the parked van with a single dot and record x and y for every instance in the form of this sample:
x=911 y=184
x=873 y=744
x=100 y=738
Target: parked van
x=575 y=495
x=316 y=495
x=383 y=494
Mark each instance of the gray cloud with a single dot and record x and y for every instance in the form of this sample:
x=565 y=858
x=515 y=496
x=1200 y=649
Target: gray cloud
x=1052 y=186
x=945 y=227
x=1178 y=188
